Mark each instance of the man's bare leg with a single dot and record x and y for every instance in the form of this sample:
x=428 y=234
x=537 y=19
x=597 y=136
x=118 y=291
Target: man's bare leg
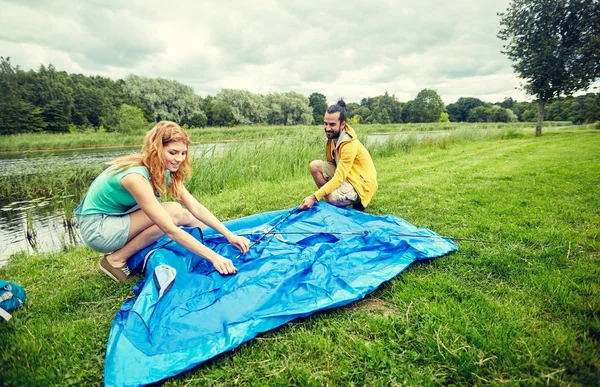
x=338 y=203
x=317 y=173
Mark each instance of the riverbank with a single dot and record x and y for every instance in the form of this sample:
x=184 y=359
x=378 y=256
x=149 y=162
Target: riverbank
x=520 y=311
x=34 y=142
x=38 y=191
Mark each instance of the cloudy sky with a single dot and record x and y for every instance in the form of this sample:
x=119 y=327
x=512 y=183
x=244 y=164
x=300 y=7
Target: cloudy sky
x=347 y=48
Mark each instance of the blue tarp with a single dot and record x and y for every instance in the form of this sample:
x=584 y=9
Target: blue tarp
x=185 y=312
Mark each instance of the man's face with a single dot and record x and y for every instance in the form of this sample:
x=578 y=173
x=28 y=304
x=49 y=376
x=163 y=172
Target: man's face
x=332 y=125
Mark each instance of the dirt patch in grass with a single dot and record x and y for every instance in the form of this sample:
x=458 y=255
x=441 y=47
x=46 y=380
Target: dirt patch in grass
x=376 y=306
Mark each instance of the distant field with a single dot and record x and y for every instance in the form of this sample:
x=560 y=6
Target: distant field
x=248 y=157
x=42 y=141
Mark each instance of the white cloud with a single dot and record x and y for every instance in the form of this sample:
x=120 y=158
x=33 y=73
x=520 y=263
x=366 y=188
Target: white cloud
x=353 y=49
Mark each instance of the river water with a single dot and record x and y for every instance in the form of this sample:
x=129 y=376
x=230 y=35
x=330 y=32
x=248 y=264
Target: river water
x=40 y=224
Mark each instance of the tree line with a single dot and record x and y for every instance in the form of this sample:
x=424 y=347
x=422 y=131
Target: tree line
x=554 y=47
x=428 y=107
x=48 y=100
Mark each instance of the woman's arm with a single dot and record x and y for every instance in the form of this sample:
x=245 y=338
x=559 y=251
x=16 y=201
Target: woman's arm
x=142 y=192
x=204 y=215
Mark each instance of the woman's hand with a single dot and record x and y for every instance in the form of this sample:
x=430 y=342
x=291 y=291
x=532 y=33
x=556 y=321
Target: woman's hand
x=242 y=243
x=224 y=266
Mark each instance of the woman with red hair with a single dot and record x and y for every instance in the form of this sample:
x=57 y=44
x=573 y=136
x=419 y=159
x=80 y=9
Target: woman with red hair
x=121 y=214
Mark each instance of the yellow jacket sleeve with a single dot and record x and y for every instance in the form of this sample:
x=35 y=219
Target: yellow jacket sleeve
x=347 y=154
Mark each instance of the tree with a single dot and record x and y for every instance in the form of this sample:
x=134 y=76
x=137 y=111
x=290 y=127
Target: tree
x=576 y=113
x=94 y=97
x=406 y=111
x=354 y=120
x=318 y=103
x=530 y=114
x=426 y=107
x=444 y=117
x=112 y=96
x=198 y=120
x=364 y=113
x=591 y=107
x=459 y=111
x=383 y=109
x=17 y=114
x=519 y=108
x=247 y=108
x=54 y=96
x=500 y=114
x=219 y=113
x=131 y=119
x=388 y=106
x=477 y=114
x=289 y=108
x=554 y=46
x=383 y=117
x=56 y=116
x=507 y=103
x=163 y=98
x=554 y=110
x=351 y=109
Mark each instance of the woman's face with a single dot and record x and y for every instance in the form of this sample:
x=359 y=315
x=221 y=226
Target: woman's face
x=175 y=154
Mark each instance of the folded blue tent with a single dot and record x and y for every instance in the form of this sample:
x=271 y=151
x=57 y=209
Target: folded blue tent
x=185 y=312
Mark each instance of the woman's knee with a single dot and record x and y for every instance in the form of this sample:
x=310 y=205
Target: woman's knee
x=187 y=218
x=176 y=212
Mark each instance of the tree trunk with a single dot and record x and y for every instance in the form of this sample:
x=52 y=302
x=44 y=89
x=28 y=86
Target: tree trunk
x=540 y=120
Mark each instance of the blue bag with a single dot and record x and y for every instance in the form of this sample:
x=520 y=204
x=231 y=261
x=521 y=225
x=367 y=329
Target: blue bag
x=11 y=297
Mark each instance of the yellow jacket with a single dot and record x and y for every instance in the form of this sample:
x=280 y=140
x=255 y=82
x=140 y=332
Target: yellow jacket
x=353 y=163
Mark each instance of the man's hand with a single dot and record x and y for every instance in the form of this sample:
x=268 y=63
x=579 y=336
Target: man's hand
x=243 y=244
x=308 y=202
x=224 y=266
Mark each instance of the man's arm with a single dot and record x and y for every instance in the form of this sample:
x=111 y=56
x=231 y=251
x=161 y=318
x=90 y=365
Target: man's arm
x=347 y=153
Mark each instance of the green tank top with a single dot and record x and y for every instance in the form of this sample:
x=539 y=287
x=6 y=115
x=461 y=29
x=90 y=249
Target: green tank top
x=106 y=194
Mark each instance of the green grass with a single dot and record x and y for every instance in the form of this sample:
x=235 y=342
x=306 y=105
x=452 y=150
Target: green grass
x=273 y=158
x=61 y=181
x=45 y=141
x=525 y=311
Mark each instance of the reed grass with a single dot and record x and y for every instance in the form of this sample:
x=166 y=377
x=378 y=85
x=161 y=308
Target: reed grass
x=268 y=158
x=30 y=232
x=287 y=158
x=56 y=184
x=45 y=141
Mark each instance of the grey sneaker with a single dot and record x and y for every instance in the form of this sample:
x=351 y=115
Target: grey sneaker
x=119 y=274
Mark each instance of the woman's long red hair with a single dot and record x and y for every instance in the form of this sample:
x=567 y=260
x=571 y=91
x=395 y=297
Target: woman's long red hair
x=152 y=157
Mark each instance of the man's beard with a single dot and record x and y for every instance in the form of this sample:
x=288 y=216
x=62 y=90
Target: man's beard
x=332 y=134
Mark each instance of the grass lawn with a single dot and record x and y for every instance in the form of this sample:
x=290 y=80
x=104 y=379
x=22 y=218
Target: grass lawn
x=523 y=311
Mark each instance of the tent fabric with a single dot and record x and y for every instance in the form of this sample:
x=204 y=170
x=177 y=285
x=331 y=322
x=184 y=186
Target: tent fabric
x=185 y=312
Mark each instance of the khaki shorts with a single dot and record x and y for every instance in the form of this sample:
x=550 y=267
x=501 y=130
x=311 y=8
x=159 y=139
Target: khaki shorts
x=105 y=233
x=345 y=194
